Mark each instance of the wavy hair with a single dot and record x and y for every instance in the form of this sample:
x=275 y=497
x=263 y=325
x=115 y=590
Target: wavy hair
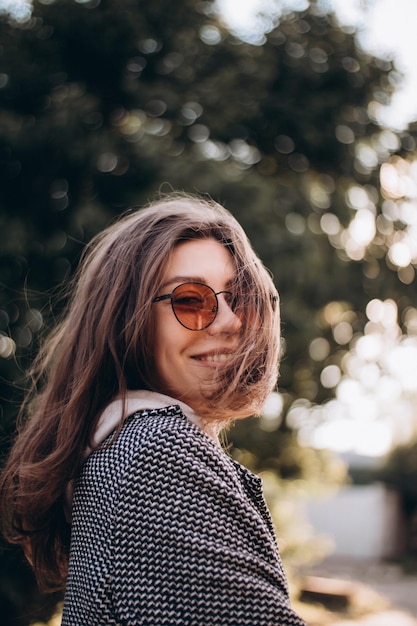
x=103 y=346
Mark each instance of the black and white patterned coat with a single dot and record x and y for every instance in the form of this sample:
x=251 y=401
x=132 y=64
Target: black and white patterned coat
x=167 y=530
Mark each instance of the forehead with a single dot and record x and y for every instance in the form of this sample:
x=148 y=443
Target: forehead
x=202 y=260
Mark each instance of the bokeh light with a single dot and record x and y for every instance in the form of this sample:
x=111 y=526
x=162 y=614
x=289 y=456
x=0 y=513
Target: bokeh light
x=375 y=404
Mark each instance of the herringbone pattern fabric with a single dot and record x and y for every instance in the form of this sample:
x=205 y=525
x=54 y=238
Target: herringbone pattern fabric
x=168 y=530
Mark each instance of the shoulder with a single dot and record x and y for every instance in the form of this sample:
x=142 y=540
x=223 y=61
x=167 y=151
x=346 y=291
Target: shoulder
x=167 y=427
x=164 y=441
x=154 y=446
x=176 y=472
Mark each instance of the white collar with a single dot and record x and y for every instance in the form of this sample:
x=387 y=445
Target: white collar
x=137 y=400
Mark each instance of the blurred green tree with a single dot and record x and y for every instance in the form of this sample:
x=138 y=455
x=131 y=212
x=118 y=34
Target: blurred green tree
x=103 y=104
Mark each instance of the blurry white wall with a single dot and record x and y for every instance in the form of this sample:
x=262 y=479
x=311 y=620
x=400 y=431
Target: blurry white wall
x=362 y=521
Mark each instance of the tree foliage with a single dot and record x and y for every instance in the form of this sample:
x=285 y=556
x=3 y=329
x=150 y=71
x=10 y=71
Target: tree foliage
x=104 y=103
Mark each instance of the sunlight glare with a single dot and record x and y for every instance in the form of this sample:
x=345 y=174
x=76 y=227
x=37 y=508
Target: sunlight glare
x=273 y=406
x=345 y=435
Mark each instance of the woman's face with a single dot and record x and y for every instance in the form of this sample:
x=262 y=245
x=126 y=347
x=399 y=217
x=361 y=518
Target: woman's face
x=186 y=360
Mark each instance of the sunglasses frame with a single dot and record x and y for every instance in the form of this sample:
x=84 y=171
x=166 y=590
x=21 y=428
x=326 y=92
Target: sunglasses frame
x=171 y=296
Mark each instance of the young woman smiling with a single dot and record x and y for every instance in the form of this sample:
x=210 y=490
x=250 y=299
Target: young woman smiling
x=117 y=486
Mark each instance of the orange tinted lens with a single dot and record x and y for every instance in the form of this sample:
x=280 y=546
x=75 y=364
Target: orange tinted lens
x=195 y=305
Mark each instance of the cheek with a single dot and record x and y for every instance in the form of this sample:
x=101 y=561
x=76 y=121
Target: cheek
x=168 y=343
x=163 y=368
x=160 y=344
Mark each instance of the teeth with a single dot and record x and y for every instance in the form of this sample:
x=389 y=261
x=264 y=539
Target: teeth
x=215 y=358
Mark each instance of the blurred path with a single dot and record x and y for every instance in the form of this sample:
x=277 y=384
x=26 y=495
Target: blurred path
x=387 y=618
x=387 y=579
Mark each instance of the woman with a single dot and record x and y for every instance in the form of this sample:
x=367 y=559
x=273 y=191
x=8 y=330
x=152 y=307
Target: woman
x=117 y=486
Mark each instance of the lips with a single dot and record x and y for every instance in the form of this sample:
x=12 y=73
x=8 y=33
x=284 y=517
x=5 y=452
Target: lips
x=213 y=357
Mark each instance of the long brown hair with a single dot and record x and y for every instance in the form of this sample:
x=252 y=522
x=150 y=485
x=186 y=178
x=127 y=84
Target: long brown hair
x=103 y=347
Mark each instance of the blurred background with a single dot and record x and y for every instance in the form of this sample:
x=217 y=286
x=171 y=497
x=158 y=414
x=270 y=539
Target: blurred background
x=300 y=117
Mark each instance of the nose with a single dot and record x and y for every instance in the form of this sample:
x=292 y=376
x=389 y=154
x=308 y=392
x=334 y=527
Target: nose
x=226 y=320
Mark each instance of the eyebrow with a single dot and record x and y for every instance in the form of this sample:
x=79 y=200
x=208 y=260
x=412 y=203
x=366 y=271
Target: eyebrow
x=192 y=279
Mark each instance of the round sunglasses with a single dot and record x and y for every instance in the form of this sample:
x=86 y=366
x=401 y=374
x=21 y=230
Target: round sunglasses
x=195 y=305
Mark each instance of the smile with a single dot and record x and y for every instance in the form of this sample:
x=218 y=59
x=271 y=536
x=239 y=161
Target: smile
x=219 y=357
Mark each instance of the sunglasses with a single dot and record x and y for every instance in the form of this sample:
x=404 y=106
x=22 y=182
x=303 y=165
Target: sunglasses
x=195 y=305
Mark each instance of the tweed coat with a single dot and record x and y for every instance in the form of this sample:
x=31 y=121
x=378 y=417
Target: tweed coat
x=167 y=530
